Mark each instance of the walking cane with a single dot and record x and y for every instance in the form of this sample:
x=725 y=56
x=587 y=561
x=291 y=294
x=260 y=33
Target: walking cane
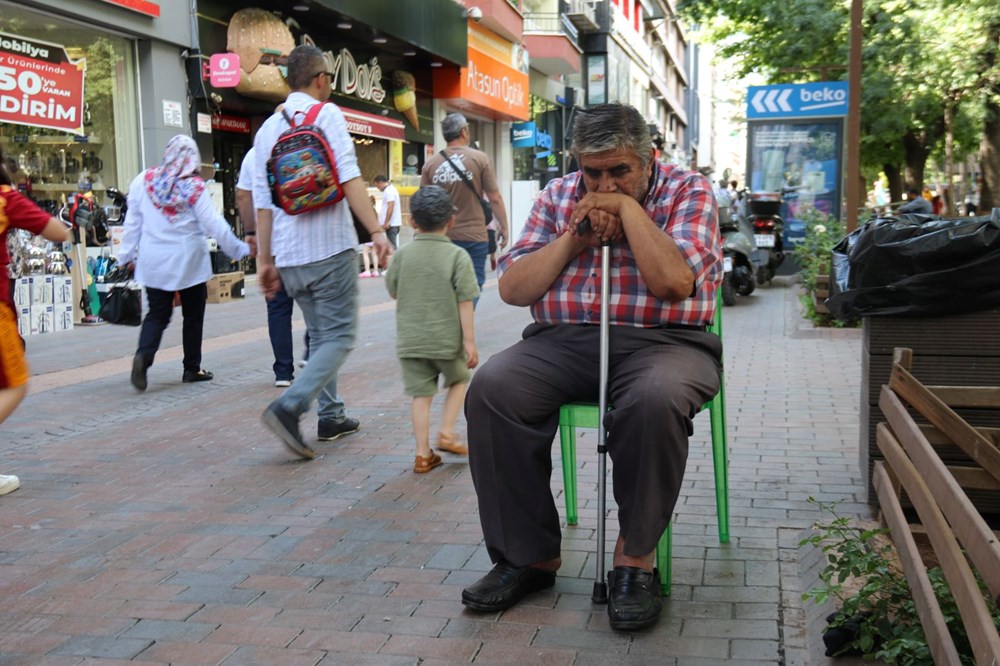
x=600 y=595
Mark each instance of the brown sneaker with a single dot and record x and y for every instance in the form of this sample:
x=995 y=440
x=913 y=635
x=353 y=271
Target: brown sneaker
x=422 y=465
x=451 y=444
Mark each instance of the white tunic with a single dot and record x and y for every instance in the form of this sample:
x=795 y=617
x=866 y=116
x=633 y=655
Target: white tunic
x=173 y=255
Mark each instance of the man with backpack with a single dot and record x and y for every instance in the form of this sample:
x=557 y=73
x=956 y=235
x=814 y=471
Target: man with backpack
x=309 y=245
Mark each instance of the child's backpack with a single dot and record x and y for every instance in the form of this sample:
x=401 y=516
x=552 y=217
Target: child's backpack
x=302 y=171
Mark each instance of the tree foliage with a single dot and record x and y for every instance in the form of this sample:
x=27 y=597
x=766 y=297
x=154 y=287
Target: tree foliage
x=929 y=67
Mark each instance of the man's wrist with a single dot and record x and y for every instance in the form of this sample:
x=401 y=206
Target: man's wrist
x=377 y=231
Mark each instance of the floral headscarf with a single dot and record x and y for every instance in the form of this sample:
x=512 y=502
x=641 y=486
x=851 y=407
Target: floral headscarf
x=175 y=185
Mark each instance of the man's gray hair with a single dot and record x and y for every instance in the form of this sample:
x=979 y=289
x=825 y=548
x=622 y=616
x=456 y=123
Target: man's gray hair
x=431 y=207
x=452 y=126
x=605 y=127
x=304 y=63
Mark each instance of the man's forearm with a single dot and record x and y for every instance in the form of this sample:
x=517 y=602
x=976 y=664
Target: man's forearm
x=357 y=199
x=244 y=205
x=527 y=279
x=264 y=236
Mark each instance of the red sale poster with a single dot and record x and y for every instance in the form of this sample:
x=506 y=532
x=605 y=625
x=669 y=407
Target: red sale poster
x=39 y=85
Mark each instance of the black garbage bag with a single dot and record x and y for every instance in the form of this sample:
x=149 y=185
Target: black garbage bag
x=840 y=262
x=908 y=267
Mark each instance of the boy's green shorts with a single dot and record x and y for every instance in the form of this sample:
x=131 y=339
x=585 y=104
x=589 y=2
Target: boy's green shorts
x=420 y=375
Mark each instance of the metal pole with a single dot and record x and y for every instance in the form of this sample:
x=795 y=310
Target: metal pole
x=600 y=595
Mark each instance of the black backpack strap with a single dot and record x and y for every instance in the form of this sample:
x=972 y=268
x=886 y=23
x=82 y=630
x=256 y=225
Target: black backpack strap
x=464 y=175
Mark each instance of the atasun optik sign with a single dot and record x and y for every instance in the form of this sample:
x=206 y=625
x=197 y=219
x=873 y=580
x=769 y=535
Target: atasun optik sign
x=40 y=85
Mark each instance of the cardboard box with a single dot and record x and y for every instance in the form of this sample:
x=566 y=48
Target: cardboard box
x=63 y=316
x=42 y=319
x=225 y=287
x=24 y=320
x=62 y=289
x=22 y=292
x=40 y=287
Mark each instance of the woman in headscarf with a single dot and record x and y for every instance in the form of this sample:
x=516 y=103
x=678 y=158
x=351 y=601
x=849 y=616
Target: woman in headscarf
x=170 y=214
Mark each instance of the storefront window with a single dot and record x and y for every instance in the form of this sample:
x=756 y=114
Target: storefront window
x=62 y=143
x=538 y=144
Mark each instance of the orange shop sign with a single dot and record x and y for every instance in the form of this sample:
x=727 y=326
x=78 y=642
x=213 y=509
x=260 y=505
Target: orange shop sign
x=486 y=82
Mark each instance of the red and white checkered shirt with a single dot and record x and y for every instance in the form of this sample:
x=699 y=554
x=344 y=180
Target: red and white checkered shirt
x=680 y=202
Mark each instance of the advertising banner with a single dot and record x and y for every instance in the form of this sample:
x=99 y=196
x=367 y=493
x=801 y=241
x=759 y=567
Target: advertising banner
x=803 y=161
x=495 y=78
x=40 y=86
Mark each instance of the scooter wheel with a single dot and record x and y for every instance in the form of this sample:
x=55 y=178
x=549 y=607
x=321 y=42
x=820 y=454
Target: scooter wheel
x=728 y=291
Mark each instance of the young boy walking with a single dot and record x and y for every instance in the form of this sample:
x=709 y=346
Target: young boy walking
x=435 y=284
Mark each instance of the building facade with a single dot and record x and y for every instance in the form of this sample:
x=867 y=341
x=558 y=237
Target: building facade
x=80 y=106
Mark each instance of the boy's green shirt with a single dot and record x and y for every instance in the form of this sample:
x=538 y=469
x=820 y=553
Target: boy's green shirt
x=429 y=277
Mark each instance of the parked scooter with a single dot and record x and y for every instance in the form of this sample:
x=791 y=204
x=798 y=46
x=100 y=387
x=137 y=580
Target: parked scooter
x=737 y=250
x=764 y=215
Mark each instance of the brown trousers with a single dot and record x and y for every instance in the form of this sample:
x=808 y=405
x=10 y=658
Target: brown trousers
x=658 y=379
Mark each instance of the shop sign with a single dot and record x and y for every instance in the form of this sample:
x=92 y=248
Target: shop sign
x=363 y=81
x=224 y=70
x=527 y=135
x=141 y=6
x=225 y=123
x=491 y=78
x=40 y=85
x=368 y=124
x=522 y=135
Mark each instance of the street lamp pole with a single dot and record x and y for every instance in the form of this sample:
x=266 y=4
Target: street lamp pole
x=853 y=162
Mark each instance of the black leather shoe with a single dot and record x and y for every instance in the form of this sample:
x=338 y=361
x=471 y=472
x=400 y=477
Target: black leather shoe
x=139 y=366
x=504 y=586
x=633 y=598
x=198 y=376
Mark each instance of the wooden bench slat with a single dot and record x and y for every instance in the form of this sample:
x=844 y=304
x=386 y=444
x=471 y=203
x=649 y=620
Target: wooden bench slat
x=983 y=636
x=968 y=524
x=977 y=397
x=931 y=619
x=938 y=438
x=934 y=410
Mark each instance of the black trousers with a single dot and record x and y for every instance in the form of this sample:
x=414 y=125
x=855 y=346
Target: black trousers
x=658 y=379
x=161 y=307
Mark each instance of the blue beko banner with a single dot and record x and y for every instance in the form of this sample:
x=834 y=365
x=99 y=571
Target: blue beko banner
x=827 y=99
x=522 y=135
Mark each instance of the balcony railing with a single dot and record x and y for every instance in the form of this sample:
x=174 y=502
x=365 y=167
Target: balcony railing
x=581 y=14
x=549 y=23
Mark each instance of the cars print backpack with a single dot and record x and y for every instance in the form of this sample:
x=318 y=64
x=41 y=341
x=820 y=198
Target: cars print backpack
x=302 y=170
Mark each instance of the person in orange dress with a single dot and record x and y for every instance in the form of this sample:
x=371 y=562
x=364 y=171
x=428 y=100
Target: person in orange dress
x=16 y=212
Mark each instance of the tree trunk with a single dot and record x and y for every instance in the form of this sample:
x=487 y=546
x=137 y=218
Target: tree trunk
x=949 y=156
x=989 y=195
x=915 y=153
x=895 y=179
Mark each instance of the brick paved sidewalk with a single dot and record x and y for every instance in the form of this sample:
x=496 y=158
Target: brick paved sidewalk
x=171 y=527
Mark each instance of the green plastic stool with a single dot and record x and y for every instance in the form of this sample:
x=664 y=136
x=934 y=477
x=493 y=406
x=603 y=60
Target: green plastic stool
x=585 y=415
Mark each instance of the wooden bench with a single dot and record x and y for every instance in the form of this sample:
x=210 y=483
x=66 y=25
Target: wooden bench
x=957 y=532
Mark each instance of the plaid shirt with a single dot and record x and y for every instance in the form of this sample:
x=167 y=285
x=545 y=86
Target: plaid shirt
x=679 y=202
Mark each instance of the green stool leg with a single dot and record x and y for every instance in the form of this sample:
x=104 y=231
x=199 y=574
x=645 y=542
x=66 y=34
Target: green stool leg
x=663 y=559
x=717 y=413
x=567 y=434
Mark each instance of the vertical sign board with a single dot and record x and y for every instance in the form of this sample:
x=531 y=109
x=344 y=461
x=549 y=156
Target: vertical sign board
x=795 y=146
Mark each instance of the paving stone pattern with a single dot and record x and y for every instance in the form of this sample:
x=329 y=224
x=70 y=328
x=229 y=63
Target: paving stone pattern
x=170 y=527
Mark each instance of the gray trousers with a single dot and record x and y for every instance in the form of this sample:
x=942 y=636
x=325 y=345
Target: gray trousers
x=658 y=379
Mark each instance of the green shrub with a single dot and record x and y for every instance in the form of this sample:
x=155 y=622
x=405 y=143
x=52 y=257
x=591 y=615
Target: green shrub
x=813 y=255
x=863 y=575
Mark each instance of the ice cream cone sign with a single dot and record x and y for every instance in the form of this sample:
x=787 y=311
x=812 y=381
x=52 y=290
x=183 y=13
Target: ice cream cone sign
x=404 y=96
x=263 y=42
